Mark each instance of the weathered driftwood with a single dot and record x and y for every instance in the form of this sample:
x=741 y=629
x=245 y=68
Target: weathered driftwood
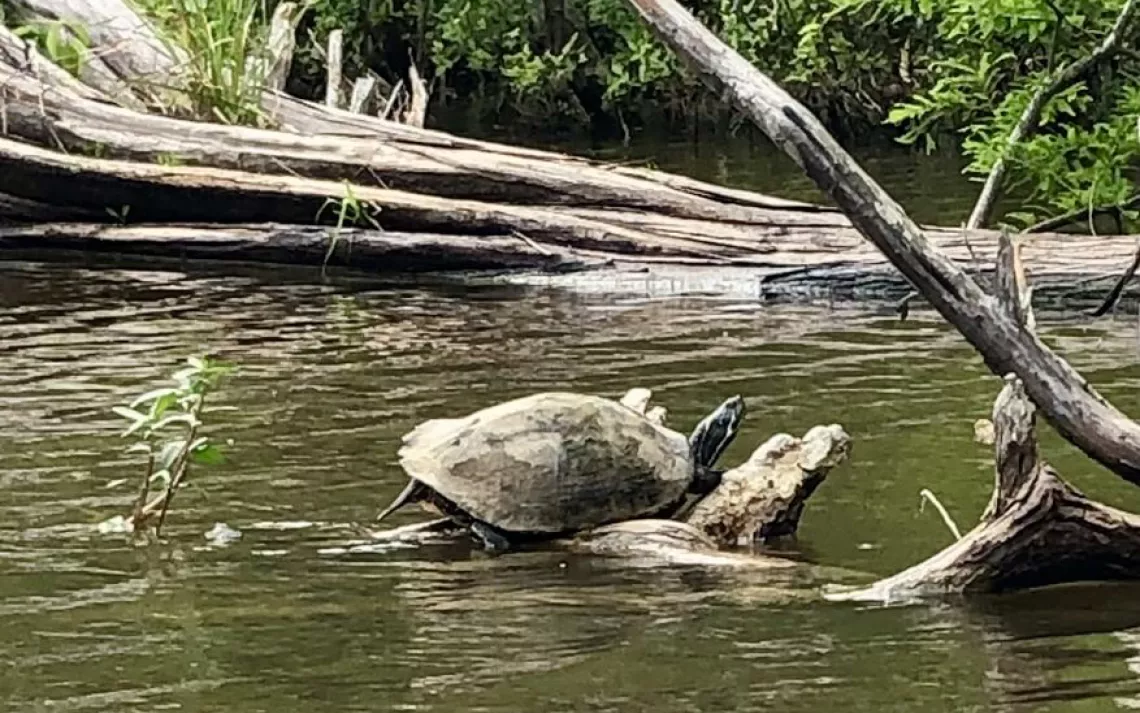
x=280 y=45
x=363 y=94
x=312 y=118
x=665 y=216
x=1037 y=529
x=372 y=250
x=120 y=41
x=1042 y=531
x=15 y=210
x=765 y=497
x=334 y=74
x=1080 y=414
x=51 y=116
x=20 y=55
x=154 y=193
x=98 y=81
x=416 y=114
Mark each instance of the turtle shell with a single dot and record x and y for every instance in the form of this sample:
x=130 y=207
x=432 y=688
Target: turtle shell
x=551 y=463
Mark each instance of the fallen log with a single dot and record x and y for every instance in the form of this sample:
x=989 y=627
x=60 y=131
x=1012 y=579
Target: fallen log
x=54 y=116
x=150 y=193
x=42 y=185
x=120 y=34
x=1077 y=411
x=120 y=40
x=372 y=250
x=722 y=226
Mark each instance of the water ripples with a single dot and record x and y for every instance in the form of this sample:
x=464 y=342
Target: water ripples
x=332 y=375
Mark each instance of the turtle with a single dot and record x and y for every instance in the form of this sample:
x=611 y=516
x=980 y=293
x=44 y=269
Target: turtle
x=553 y=463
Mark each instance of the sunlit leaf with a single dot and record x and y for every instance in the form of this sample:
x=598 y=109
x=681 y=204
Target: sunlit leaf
x=169 y=453
x=129 y=413
x=152 y=395
x=184 y=418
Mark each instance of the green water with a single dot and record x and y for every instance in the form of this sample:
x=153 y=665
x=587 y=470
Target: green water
x=333 y=374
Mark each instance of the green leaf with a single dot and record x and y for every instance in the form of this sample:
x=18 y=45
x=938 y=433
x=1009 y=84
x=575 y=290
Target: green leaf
x=162 y=475
x=187 y=418
x=208 y=455
x=169 y=453
x=153 y=395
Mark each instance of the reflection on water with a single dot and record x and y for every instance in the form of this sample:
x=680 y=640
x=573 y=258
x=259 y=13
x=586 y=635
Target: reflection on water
x=284 y=619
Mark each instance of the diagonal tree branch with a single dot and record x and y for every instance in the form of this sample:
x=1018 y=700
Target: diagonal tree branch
x=1080 y=414
x=1031 y=117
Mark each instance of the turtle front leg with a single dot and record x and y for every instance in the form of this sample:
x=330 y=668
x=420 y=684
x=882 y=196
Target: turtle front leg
x=493 y=539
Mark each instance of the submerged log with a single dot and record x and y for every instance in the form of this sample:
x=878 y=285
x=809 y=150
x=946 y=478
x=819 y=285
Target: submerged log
x=377 y=251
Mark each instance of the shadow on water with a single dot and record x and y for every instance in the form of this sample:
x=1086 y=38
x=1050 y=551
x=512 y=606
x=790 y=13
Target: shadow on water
x=333 y=374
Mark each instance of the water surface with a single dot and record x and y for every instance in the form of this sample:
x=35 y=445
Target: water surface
x=332 y=374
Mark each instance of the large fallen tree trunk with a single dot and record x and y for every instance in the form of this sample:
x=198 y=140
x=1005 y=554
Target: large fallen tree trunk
x=1080 y=414
x=156 y=194
x=141 y=57
x=374 y=250
x=41 y=185
x=57 y=117
x=643 y=215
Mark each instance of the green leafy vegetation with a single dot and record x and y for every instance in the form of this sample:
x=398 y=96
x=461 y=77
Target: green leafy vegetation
x=982 y=66
x=223 y=44
x=166 y=425
x=64 y=43
x=350 y=211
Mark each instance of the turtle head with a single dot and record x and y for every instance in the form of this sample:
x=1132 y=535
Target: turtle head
x=715 y=432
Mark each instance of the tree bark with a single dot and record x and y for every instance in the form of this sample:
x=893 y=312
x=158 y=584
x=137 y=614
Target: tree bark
x=686 y=222
x=55 y=117
x=138 y=192
x=373 y=250
x=1080 y=414
x=1041 y=531
x=120 y=39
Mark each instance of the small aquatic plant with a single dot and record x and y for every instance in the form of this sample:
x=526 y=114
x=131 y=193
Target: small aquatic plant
x=166 y=425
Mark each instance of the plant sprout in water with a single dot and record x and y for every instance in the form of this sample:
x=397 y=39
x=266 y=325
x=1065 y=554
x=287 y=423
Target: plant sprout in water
x=166 y=425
